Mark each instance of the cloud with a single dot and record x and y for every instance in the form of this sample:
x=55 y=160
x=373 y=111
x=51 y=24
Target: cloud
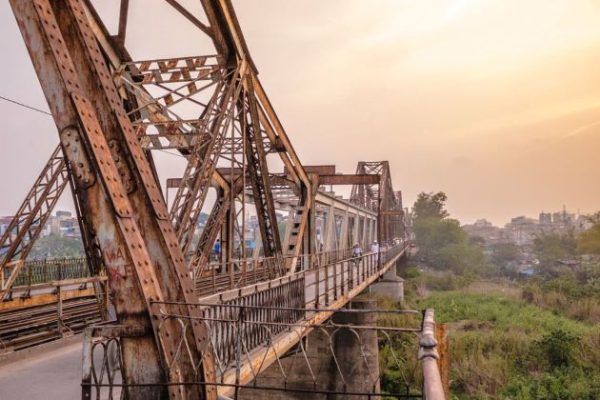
x=581 y=129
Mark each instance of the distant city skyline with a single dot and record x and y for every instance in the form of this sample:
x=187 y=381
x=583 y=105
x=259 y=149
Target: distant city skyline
x=534 y=215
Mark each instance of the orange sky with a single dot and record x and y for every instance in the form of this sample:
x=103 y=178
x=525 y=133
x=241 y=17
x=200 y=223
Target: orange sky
x=493 y=102
x=497 y=103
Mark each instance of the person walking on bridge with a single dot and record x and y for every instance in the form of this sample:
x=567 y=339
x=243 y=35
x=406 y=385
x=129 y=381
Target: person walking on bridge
x=375 y=247
x=356 y=250
x=217 y=250
x=356 y=253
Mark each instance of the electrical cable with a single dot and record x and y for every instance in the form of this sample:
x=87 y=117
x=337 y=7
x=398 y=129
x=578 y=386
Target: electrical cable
x=24 y=105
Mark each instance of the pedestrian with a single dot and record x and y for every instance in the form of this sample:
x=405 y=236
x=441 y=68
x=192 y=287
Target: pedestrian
x=375 y=247
x=356 y=250
x=356 y=253
x=217 y=249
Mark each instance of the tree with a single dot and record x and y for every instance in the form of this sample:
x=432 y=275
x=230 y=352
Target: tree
x=557 y=347
x=441 y=240
x=552 y=247
x=505 y=253
x=461 y=258
x=430 y=205
x=433 y=233
x=55 y=246
x=594 y=218
x=589 y=241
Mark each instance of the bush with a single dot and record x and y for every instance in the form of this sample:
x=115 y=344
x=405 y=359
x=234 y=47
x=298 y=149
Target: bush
x=557 y=348
x=411 y=272
x=502 y=347
x=564 y=384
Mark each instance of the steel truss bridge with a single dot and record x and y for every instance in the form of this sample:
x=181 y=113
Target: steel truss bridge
x=189 y=326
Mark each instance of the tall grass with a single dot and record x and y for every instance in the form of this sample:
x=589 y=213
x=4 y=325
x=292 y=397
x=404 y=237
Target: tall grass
x=502 y=347
x=582 y=308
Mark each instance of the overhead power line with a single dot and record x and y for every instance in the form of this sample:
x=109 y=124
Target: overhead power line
x=47 y=113
x=24 y=105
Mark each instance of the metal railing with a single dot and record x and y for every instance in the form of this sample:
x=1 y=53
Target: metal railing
x=348 y=347
x=433 y=388
x=216 y=277
x=212 y=278
x=45 y=271
x=278 y=314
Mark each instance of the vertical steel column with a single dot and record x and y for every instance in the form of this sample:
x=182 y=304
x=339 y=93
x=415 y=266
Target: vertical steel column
x=120 y=201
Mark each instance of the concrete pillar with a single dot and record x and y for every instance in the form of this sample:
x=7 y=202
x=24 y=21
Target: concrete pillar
x=356 y=352
x=390 y=285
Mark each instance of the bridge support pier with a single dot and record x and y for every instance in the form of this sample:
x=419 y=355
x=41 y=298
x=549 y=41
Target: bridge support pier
x=390 y=285
x=356 y=352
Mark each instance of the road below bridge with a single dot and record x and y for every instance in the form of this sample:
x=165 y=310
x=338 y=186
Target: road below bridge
x=50 y=373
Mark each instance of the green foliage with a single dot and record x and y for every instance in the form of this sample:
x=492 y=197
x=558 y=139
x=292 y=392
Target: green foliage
x=411 y=272
x=442 y=281
x=558 y=385
x=433 y=234
x=55 y=246
x=552 y=247
x=557 y=347
x=393 y=358
x=502 y=347
x=504 y=312
x=461 y=258
x=505 y=253
x=575 y=294
x=441 y=240
x=430 y=205
x=589 y=241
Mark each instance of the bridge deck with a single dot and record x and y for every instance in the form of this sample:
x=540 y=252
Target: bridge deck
x=252 y=327
x=46 y=373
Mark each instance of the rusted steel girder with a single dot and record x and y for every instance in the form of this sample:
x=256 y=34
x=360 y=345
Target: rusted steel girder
x=347 y=179
x=380 y=196
x=258 y=171
x=202 y=163
x=119 y=198
x=231 y=45
x=30 y=218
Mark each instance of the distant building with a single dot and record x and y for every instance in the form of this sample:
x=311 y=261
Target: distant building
x=522 y=230
x=64 y=224
x=545 y=218
x=563 y=217
x=482 y=223
x=4 y=223
x=63 y=214
x=486 y=230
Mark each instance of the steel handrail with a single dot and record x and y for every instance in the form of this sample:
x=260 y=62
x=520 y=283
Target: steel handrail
x=429 y=356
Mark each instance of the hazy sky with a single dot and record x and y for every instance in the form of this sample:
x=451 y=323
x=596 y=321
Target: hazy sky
x=495 y=102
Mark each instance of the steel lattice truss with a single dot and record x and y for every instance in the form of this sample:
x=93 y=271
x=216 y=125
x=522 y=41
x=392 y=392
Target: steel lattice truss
x=111 y=112
x=236 y=123
x=380 y=197
x=19 y=237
